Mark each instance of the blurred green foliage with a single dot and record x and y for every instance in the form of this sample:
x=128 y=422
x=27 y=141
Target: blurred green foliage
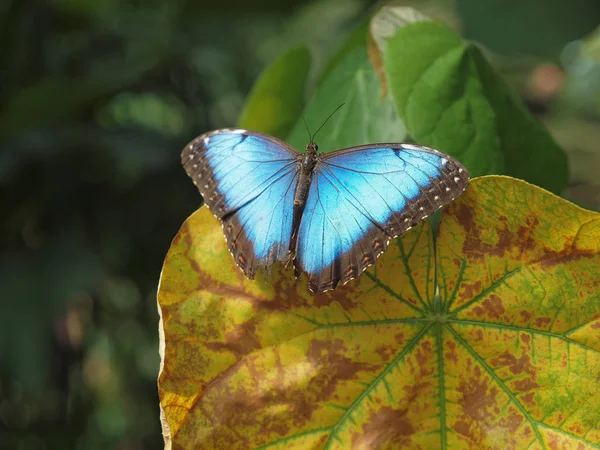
x=278 y=94
x=97 y=98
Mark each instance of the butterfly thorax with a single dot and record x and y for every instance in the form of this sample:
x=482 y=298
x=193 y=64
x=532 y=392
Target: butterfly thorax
x=308 y=163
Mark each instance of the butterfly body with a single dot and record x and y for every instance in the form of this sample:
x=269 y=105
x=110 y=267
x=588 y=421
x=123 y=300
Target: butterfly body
x=330 y=215
x=308 y=163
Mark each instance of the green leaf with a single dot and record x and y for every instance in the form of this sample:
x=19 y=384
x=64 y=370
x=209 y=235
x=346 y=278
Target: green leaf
x=357 y=39
x=275 y=102
x=383 y=25
x=484 y=336
x=451 y=99
x=365 y=118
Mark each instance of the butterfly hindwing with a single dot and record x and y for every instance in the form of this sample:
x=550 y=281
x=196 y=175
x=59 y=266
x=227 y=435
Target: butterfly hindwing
x=248 y=181
x=362 y=197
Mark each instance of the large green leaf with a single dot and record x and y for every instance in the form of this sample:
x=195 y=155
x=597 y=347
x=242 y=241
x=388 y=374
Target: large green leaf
x=365 y=117
x=507 y=355
x=356 y=39
x=277 y=97
x=450 y=98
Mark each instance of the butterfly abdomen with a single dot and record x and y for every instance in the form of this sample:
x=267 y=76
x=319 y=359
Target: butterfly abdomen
x=308 y=164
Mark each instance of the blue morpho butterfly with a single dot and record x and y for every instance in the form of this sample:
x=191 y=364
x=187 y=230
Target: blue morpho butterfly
x=331 y=215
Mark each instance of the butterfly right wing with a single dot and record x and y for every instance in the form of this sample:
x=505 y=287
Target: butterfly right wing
x=248 y=180
x=362 y=197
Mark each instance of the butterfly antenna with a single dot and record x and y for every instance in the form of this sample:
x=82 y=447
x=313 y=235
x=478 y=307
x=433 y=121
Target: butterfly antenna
x=326 y=120
x=307 y=130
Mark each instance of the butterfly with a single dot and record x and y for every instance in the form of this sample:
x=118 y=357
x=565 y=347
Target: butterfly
x=330 y=215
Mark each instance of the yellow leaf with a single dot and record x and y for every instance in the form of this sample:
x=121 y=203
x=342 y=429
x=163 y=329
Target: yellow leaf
x=503 y=352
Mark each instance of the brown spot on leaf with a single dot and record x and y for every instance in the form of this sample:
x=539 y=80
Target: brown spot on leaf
x=386 y=351
x=575 y=428
x=423 y=356
x=528 y=399
x=491 y=307
x=464 y=215
x=462 y=427
x=479 y=334
x=333 y=365
x=469 y=290
x=525 y=315
x=511 y=421
x=525 y=385
x=542 y=322
x=242 y=340
x=450 y=354
x=399 y=339
x=386 y=428
x=514 y=364
x=476 y=395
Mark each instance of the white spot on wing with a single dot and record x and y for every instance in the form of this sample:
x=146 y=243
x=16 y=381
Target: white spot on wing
x=444 y=161
x=238 y=131
x=447 y=189
x=205 y=141
x=412 y=147
x=456 y=179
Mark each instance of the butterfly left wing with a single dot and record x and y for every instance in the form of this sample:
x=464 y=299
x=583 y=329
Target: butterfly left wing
x=248 y=180
x=362 y=197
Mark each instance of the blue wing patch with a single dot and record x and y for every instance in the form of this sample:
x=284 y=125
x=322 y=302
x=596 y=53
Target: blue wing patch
x=362 y=197
x=248 y=181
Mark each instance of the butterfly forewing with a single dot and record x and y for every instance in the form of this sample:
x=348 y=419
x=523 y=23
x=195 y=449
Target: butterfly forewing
x=362 y=197
x=248 y=180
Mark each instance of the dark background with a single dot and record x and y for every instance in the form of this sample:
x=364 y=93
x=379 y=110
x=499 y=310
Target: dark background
x=97 y=99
